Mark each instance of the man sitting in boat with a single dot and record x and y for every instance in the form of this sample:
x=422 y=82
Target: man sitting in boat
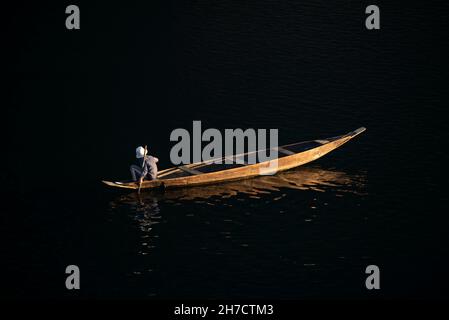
x=146 y=167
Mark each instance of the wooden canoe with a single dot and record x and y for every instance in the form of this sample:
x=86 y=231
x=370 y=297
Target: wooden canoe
x=208 y=172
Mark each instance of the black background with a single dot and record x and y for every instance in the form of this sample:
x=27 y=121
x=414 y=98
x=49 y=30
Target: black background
x=77 y=102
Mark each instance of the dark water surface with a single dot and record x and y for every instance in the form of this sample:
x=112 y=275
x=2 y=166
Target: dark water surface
x=82 y=101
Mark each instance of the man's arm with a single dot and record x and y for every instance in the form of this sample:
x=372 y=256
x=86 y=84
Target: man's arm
x=145 y=169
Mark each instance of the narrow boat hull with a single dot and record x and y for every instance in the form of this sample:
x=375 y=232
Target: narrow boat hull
x=246 y=171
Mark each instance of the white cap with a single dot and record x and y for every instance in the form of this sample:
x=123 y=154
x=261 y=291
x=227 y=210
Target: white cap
x=140 y=152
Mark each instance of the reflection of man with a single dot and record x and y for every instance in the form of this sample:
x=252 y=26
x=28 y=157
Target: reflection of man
x=146 y=166
x=147 y=213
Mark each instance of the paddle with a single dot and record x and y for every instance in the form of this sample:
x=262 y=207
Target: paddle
x=143 y=166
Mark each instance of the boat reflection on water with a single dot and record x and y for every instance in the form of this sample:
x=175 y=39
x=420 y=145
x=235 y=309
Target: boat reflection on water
x=145 y=208
x=306 y=178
